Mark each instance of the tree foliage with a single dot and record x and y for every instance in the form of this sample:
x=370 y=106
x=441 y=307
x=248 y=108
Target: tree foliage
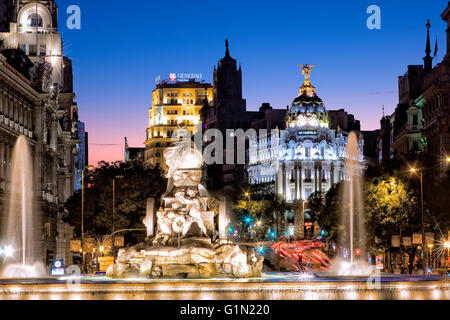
x=259 y=202
x=131 y=193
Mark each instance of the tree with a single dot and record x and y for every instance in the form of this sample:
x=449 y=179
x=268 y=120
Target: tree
x=138 y=184
x=259 y=203
x=327 y=211
x=392 y=209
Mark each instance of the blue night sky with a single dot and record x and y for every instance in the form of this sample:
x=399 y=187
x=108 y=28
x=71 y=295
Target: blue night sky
x=123 y=45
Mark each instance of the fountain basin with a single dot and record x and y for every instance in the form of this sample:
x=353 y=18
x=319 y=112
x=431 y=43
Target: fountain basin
x=271 y=286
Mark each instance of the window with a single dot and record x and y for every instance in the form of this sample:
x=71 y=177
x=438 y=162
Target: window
x=307 y=174
x=33 y=50
x=307 y=152
x=157 y=145
x=308 y=192
x=43 y=49
x=416 y=145
x=34 y=21
x=414 y=120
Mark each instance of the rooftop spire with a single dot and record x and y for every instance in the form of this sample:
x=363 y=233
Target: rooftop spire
x=227 y=52
x=428 y=59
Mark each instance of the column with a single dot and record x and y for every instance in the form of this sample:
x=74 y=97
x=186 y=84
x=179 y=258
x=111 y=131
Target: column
x=223 y=219
x=25 y=117
x=30 y=119
x=54 y=131
x=2 y=160
x=300 y=181
x=315 y=177
x=2 y=94
x=332 y=174
x=286 y=182
x=283 y=181
x=6 y=104
x=8 y=159
x=21 y=106
x=320 y=176
x=11 y=108
x=297 y=182
x=149 y=218
x=16 y=110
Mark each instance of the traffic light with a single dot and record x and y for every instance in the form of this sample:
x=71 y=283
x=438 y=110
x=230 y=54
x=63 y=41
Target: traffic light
x=357 y=252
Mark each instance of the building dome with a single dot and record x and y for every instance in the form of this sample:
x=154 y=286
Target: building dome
x=307 y=102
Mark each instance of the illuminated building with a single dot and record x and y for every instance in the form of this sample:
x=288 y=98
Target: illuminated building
x=421 y=121
x=37 y=100
x=173 y=104
x=308 y=157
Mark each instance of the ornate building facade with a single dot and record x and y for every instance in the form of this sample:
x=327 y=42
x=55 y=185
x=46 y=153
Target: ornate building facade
x=305 y=158
x=421 y=121
x=37 y=101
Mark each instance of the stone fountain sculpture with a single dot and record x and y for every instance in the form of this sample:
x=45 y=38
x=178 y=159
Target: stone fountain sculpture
x=181 y=243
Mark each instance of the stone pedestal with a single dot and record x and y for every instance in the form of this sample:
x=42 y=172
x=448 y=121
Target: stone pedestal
x=149 y=220
x=223 y=218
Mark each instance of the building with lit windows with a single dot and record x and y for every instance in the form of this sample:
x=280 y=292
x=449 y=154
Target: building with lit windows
x=305 y=158
x=173 y=104
x=37 y=101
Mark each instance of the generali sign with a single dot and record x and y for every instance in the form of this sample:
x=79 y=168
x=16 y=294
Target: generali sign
x=174 y=77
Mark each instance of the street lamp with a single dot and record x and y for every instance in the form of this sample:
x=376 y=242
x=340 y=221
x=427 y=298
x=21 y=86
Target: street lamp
x=429 y=257
x=82 y=211
x=414 y=170
x=114 y=208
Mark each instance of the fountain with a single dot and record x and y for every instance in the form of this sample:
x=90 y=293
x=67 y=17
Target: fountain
x=19 y=231
x=183 y=242
x=352 y=215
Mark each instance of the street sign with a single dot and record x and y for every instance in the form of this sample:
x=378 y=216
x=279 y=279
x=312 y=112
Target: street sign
x=379 y=262
x=429 y=238
x=417 y=238
x=406 y=241
x=395 y=241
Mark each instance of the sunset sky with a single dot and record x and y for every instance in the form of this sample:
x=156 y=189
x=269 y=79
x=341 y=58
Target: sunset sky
x=123 y=46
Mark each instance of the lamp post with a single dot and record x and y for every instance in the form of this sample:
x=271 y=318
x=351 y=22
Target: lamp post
x=114 y=209
x=429 y=256
x=82 y=212
x=414 y=170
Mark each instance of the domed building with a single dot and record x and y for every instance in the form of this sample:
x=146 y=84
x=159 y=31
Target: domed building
x=305 y=158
